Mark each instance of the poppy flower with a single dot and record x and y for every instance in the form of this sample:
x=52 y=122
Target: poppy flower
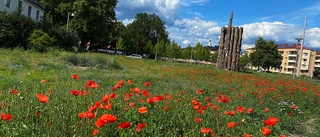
x=42 y=98
x=129 y=82
x=293 y=106
x=90 y=115
x=123 y=125
x=250 y=110
x=6 y=117
x=75 y=92
x=231 y=124
x=14 y=92
x=200 y=111
x=240 y=109
x=82 y=115
x=75 y=76
x=206 y=130
x=165 y=108
x=140 y=126
x=107 y=107
x=142 y=110
x=132 y=104
x=197 y=120
x=43 y=81
x=282 y=136
x=231 y=112
x=265 y=131
x=95 y=132
x=199 y=91
x=266 y=109
x=147 y=84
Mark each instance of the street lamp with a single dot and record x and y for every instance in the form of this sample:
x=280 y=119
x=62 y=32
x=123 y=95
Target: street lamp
x=298 y=39
x=69 y=14
x=155 y=34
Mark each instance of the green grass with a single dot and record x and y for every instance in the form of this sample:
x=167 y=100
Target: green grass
x=23 y=71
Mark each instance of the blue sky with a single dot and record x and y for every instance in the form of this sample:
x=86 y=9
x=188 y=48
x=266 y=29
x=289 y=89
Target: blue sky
x=191 y=21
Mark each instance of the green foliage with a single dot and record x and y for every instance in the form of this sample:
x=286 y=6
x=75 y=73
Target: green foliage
x=15 y=29
x=173 y=50
x=40 y=40
x=186 y=53
x=265 y=54
x=143 y=28
x=244 y=61
x=214 y=57
x=201 y=53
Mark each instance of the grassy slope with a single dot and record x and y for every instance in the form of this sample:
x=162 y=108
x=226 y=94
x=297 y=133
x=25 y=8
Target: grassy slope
x=23 y=71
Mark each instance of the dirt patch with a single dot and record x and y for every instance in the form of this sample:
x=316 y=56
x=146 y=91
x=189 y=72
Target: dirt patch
x=309 y=125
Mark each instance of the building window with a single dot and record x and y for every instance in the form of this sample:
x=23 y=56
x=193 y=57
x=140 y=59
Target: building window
x=29 y=11
x=305 y=54
x=20 y=6
x=7 y=3
x=37 y=17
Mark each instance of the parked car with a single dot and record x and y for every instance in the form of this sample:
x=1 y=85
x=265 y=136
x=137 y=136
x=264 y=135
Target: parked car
x=135 y=56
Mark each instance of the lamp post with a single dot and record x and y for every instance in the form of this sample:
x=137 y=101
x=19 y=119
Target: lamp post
x=294 y=73
x=155 y=34
x=303 y=34
x=69 y=18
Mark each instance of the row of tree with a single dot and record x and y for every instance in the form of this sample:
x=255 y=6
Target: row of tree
x=92 y=22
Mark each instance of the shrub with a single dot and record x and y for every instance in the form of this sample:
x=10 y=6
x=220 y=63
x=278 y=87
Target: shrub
x=40 y=40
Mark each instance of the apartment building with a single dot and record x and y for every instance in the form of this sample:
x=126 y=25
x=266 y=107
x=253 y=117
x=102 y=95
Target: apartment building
x=31 y=8
x=290 y=60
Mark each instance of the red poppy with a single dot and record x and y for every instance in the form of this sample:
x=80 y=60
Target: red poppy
x=108 y=118
x=6 y=117
x=293 y=106
x=197 y=120
x=132 y=104
x=199 y=91
x=291 y=114
x=266 y=109
x=43 y=81
x=142 y=110
x=250 y=110
x=231 y=112
x=123 y=125
x=165 y=108
x=282 y=136
x=231 y=124
x=90 y=115
x=200 y=111
x=95 y=132
x=75 y=92
x=206 y=130
x=129 y=82
x=240 y=109
x=107 y=107
x=15 y=92
x=265 y=131
x=140 y=126
x=147 y=84
x=75 y=76
x=182 y=92
x=42 y=98
x=82 y=115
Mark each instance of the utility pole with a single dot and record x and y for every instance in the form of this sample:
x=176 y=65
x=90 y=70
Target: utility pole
x=303 y=35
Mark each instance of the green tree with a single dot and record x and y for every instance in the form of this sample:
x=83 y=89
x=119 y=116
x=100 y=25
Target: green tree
x=15 y=29
x=147 y=27
x=244 y=61
x=173 y=50
x=93 y=20
x=40 y=41
x=214 y=57
x=265 y=54
x=186 y=53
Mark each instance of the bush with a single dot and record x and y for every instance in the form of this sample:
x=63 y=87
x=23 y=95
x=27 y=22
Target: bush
x=40 y=41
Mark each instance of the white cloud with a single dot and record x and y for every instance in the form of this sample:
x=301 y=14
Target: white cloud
x=186 y=42
x=168 y=10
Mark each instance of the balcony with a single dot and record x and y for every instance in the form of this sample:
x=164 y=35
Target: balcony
x=317 y=65
x=291 y=66
x=317 y=60
x=292 y=55
x=292 y=61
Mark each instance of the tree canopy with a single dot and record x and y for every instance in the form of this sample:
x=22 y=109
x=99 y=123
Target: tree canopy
x=265 y=54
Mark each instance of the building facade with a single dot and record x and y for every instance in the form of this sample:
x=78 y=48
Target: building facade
x=30 y=8
x=309 y=59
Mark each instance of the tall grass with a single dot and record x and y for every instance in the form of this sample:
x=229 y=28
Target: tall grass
x=178 y=89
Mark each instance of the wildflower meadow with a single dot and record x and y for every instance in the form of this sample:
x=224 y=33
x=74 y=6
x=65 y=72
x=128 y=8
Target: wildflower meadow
x=90 y=94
